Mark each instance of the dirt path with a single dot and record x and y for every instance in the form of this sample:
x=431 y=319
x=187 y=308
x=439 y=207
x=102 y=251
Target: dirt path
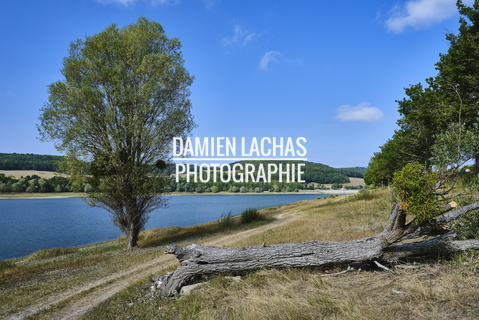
x=78 y=301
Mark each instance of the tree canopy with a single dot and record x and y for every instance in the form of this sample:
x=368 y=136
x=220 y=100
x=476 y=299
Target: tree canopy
x=445 y=107
x=15 y=161
x=124 y=96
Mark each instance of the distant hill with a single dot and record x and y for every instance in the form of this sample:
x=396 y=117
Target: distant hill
x=321 y=173
x=313 y=172
x=16 y=161
x=355 y=172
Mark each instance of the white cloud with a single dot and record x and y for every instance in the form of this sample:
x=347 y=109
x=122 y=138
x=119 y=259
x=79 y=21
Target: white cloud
x=164 y=2
x=419 y=14
x=361 y=112
x=210 y=4
x=125 y=3
x=268 y=58
x=240 y=37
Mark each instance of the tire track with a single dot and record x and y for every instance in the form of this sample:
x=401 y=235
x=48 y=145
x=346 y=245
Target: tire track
x=65 y=306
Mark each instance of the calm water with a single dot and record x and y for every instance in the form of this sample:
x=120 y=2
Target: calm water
x=28 y=225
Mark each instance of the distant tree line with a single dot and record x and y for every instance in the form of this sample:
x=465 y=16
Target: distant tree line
x=315 y=176
x=15 y=161
x=252 y=187
x=258 y=187
x=34 y=184
x=313 y=172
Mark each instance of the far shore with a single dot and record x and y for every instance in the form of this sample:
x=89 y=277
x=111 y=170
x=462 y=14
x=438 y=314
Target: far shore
x=52 y=195
x=25 y=195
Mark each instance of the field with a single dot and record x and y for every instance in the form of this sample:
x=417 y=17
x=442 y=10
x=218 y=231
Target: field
x=105 y=281
x=23 y=173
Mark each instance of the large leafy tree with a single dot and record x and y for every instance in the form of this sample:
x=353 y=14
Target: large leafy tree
x=448 y=101
x=459 y=68
x=124 y=96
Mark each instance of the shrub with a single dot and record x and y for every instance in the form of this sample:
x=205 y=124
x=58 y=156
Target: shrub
x=5 y=265
x=336 y=186
x=226 y=221
x=88 y=188
x=414 y=186
x=364 y=194
x=467 y=227
x=251 y=215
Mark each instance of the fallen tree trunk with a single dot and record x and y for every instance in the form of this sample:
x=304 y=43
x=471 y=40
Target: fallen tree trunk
x=198 y=260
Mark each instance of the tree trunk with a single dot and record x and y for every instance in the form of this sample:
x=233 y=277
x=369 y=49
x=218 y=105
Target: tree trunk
x=476 y=164
x=198 y=260
x=132 y=237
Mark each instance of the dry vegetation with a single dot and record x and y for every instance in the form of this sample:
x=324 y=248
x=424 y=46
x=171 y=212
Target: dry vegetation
x=17 y=174
x=443 y=289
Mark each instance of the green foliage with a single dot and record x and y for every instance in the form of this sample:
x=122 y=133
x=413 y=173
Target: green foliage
x=88 y=188
x=18 y=187
x=454 y=147
x=414 y=187
x=124 y=95
x=250 y=215
x=438 y=124
x=317 y=172
x=467 y=227
x=355 y=172
x=384 y=163
x=14 y=161
x=226 y=221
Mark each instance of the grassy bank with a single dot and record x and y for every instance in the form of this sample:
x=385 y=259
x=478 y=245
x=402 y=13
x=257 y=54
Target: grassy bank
x=105 y=281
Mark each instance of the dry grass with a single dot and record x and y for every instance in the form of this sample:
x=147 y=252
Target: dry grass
x=333 y=219
x=353 y=182
x=23 y=173
x=445 y=290
x=435 y=290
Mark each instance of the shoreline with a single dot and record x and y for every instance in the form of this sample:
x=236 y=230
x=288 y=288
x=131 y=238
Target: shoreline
x=79 y=195
x=83 y=195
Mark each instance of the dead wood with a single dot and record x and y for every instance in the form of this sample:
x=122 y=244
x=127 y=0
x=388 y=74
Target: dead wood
x=198 y=260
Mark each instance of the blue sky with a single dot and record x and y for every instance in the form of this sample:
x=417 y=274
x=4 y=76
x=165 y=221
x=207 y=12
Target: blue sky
x=329 y=71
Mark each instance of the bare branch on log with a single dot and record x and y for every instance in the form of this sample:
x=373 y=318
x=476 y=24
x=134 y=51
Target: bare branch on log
x=428 y=249
x=392 y=217
x=438 y=226
x=198 y=260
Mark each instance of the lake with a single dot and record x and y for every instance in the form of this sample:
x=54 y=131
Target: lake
x=29 y=225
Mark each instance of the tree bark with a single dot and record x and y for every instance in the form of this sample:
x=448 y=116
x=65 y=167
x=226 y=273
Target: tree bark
x=443 y=245
x=198 y=260
x=132 y=237
x=476 y=164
